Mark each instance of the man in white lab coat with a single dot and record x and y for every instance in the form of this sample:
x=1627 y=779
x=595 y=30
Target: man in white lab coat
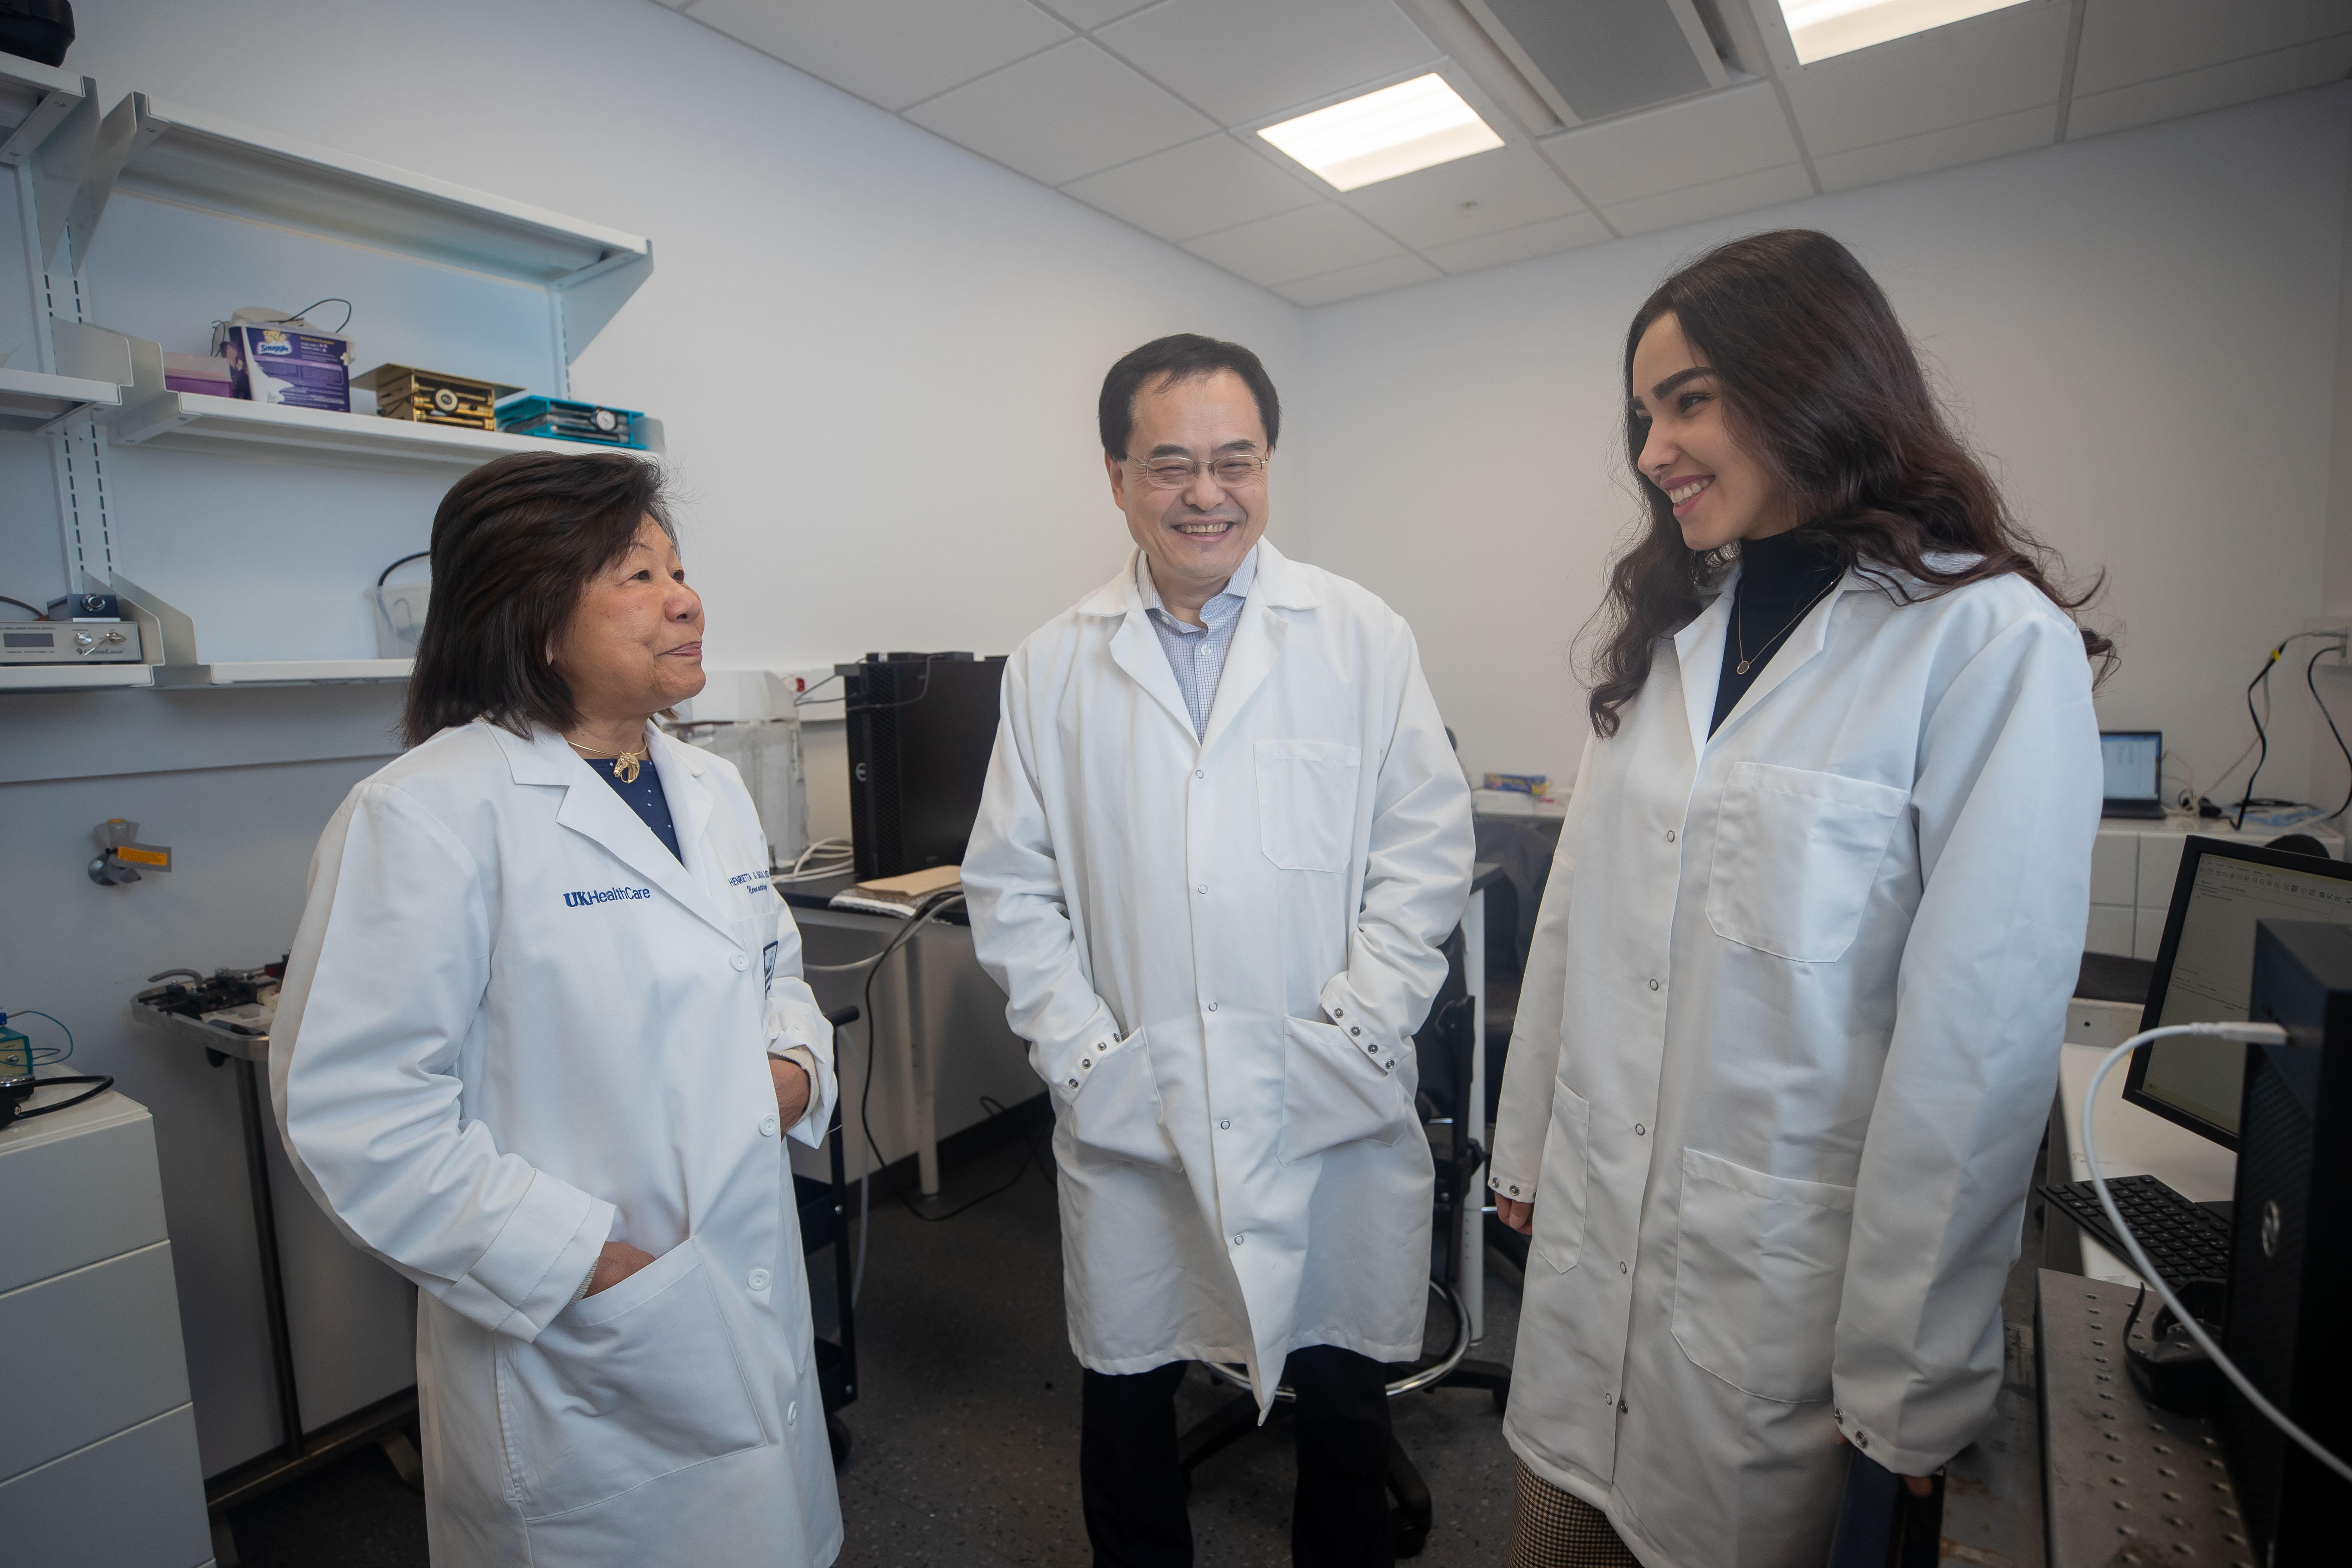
x=1222 y=838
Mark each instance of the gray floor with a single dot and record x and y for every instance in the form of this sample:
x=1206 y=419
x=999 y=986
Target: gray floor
x=966 y=1426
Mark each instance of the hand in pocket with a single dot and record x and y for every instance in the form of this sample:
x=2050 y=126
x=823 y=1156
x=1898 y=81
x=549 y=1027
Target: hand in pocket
x=616 y=1263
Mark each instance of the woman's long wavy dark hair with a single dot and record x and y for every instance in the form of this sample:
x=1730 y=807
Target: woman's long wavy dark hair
x=1820 y=382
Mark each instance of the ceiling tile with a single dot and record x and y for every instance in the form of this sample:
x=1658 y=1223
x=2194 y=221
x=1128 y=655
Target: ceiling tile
x=1321 y=239
x=1195 y=189
x=1092 y=13
x=1506 y=188
x=1739 y=132
x=1518 y=244
x=890 y=52
x=1604 y=57
x=1957 y=75
x=1243 y=60
x=2127 y=41
x=2193 y=92
x=1743 y=193
x=1371 y=278
x=1946 y=148
x=1056 y=116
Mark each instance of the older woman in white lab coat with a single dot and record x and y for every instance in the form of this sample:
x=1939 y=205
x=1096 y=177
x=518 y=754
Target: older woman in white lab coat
x=1791 y=1024
x=542 y=1033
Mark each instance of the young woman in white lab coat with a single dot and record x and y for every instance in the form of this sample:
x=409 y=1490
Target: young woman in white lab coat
x=1790 y=1023
x=542 y=1033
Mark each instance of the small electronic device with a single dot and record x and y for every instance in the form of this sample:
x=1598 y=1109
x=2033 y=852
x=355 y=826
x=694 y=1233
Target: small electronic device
x=86 y=606
x=2204 y=972
x=2290 y=1246
x=433 y=396
x=2131 y=758
x=71 y=642
x=921 y=726
x=121 y=856
x=564 y=421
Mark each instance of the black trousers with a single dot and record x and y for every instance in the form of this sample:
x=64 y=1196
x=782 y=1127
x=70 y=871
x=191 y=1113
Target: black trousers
x=1134 y=1493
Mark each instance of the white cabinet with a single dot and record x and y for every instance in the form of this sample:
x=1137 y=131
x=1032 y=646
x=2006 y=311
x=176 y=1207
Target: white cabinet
x=97 y=1438
x=2133 y=867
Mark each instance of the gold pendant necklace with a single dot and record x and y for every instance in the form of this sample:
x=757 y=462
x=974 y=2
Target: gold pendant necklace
x=1739 y=624
x=625 y=766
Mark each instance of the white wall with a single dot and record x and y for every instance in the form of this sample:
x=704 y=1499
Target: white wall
x=876 y=355
x=2140 y=330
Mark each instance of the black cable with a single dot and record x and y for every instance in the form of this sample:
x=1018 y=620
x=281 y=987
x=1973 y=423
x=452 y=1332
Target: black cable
x=2261 y=734
x=396 y=565
x=103 y=1080
x=2331 y=729
x=38 y=615
x=330 y=300
x=866 y=1095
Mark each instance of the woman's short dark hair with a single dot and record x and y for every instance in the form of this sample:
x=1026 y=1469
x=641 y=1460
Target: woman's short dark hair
x=1186 y=356
x=514 y=545
x=1820 y=384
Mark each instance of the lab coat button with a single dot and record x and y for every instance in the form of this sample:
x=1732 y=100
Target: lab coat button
x=767 y=1126
x=1653 y=985
x=1201 y=888
x=1640 y=1130
x=1224 y=1125
x=1085 y=1061
x=1515 y=1192
x=793 y=1413
x=1237 y=1241
x=1074 y=1083
x=1339 y=1012
x=757 y=1280
x=1670 y=836
x=739 y=961
x=1355 y=1028
x=1198 y=774
x=1623 y=1269
x=1212 y=1007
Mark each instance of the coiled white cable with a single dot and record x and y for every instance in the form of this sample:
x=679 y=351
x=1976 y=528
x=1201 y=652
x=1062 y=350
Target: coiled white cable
x=2245 y=1034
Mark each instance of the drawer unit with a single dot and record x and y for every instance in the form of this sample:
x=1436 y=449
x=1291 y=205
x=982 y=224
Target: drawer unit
x=2133 y=866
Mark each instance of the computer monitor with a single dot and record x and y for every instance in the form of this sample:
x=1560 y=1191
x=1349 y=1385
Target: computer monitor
x=2204 y=972
x=2132 y=759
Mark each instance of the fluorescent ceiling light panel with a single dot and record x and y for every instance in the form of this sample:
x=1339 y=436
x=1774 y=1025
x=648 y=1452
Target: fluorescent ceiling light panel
x=1821 y=29
x=1412 y=125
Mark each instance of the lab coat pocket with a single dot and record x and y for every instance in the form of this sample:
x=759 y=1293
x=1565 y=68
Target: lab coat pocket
x=1560 y=1180
x=1335 y=1092
x=1796 y=853
x=1758 y=1270
x=1306 y=803
x=1116 y=1116
x=622 y=1387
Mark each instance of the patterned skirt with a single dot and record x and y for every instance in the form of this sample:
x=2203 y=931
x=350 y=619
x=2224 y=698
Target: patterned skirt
x=1551 y=1529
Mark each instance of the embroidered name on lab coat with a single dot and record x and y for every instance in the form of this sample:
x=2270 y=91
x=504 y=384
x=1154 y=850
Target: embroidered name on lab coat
x=605 y=896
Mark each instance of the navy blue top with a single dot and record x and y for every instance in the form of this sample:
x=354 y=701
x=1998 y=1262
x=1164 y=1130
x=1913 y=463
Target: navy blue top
x=1780 y=579
x=645 y=798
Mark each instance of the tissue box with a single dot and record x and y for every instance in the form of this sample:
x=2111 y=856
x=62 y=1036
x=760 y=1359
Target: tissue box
x=206 y=373
x=288 y=364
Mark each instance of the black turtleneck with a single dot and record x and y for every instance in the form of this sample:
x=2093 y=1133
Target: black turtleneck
x=1780 y=577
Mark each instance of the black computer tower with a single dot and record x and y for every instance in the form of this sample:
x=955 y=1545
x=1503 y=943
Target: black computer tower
x=2288 y=1325
x=921 y=726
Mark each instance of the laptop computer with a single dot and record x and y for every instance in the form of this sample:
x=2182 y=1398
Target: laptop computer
x=2131 y=757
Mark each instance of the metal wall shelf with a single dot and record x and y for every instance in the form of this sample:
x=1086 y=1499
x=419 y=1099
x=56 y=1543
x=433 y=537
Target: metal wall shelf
x=74 y=676
x=286 y=672
x=31 y=400
x=152 y=148
x=194 y=421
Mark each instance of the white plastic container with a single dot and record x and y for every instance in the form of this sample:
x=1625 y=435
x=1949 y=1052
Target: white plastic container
x=399 y=617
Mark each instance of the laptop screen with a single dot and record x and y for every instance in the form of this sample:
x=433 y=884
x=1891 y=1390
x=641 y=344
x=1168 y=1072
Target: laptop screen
x=2130 y=756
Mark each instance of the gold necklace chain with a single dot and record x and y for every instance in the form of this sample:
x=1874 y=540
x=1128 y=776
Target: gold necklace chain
x=625 y=766
x=1740 y=623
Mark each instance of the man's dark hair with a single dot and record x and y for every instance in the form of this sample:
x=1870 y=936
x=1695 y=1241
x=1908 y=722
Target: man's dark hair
x=1186 y=356
x=514 y=545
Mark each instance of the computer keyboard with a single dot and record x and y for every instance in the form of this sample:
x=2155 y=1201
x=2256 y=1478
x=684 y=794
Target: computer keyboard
x=2185 y=1240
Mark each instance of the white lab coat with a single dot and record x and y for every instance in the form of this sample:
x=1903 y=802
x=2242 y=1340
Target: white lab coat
x=1785 y=1048
x=514 y=1026
x=1172 y=918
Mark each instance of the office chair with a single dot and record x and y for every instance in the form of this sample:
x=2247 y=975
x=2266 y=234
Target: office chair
x=1444 y=1045
x=824 y=1222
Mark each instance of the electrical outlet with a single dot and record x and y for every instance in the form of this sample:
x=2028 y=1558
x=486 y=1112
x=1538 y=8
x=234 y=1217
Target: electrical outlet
x=2336 y=628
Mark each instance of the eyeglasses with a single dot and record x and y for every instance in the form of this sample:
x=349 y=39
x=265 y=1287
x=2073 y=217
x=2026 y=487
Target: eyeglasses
x=1232 y=471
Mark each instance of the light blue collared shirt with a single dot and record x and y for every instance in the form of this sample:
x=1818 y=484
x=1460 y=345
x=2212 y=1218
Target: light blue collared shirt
x=1197 y=654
